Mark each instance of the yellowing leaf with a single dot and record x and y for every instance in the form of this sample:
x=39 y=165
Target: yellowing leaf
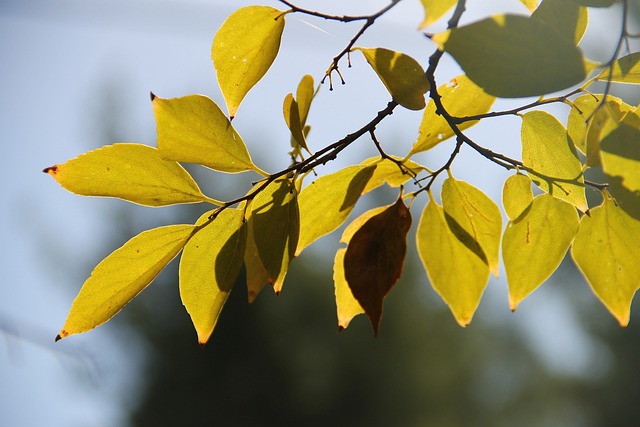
x=455 y=271
x=552 y=159
x=276 y=225
x=243 y=50
x=460 y=97
x=347 y=305
x=375 y=256
x=402 y=75
x=530 y=4
x=535 y=243
x=388 y=172
x=434 y=10
x=623 y=70
x=582 y=109
x=516 y=195
x=565 y=16
x=474 y=214
x=304 y=96
x=327 y=202
x=193 y=129
x=257 y=275
x=132 y=172
x=292 y=118
x=122 y=275
x=514 y=56
x=209 y=266
x=606 y=251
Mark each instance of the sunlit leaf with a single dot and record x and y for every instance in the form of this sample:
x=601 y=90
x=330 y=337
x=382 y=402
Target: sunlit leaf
x=582 y=109
x=193 y=129
x=434 y=10
x=606 y=251
x=388 y=172
x=565 y=16
x=257 y=275
x=327 y=202
x=460 y=97
x=535 y=243
x=347 y=306
x=530 y=4
x=552 y=158
x=402 y=75
x=244 y=48
x=304 y=96
x=292 y=118
x=473 y=213
x=624 y=70
x=514 y=56
x=516 y=195
x=209 y=266
x=375 y=256
x=456 y=271
x=122 y=275
x=132 y=172
x=604 y=121
x=276 y=226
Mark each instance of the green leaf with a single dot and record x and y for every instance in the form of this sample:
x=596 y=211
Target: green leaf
x=516 y=195
x=132 y=172
x=606 y=251
x=596 y=3
x=388 y=172
x=513 y=56
x=552 y=159
x=434 y=10
x=122 y=275
x=474 y=214
x=455 y=271
x=327 y=202
x=402 y=75
x=565 y=16
x=209 y=266
x=375 y=256
x=460 y=97
x=243 y=50
x=535 y=243
x=193 y=129
x=276 y=226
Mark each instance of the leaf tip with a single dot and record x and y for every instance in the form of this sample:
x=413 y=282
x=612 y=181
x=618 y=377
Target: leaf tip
x=341 y=328
x=62 y=334
x=51 y=170
x=152 y=96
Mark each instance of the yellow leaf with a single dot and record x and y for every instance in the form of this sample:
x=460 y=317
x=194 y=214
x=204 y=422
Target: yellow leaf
x=513 y=56
x=209 y=266
x=402 y=75
x=434 y=10
x=565 y=16
x=530 y=4
x=193 y=129
x=473 y=213
x=455 y=271
x=606 y=251
x=552 y=158
x=292 y=118
x=304 y=96
x=388 y=172
x=347 y=305
x=516 y=195
x=460 y=97
x=275 y=220
x=623 y=70
x=535 y=243
x=122 y=275
x=327 y=202
x=132 y=172
x=243 y=50
x=257 y=275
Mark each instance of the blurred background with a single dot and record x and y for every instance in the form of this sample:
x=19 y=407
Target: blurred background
x=76 y=75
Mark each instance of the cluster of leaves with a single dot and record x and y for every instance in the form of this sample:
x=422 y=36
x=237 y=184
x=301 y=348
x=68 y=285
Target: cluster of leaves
x=458 y=241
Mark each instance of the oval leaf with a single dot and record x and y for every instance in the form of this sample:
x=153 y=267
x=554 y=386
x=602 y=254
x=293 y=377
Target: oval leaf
x=402 y=75
x=209 y=266
x=122 y=275
x=434 y=10
x=388 y=172
x=516 y=195
x=623 y=70
x=193 y=129
x=292 y=118
x=132 y=172
x=243 y=50
x=565 y=16
x=535 y=243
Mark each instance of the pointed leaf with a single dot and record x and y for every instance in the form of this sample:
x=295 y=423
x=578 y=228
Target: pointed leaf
x=388 y=172
x=193 y=129
x=516 y=195
x=347 y=305
x=402 y=75
x=530 y=4
x=292 y=118
x=304 y=96
x=276 y=227
x=514 y=56
x=535 y=243
x=257 y=275
x=243 y=50
x=434 y=10
x=623 y=70
x=209 y=266
x=375 y=256
x=552 y=158
x=132 y=172
x=477 y=216
x=460 y=97
x=606 y=251
x=565 y=16
x=455 y=271
x=327 y=202
x=122 y=275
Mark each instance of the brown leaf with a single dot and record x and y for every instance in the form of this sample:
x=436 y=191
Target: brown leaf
x=375 y=257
